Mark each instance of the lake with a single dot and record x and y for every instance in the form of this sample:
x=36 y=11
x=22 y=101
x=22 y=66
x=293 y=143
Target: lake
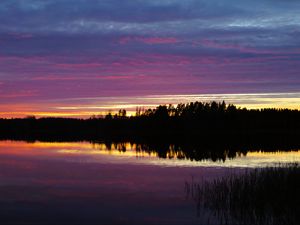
x=110 y=183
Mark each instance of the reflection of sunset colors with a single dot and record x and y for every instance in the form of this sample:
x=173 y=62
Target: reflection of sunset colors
x=107 y=55
x=127 y=153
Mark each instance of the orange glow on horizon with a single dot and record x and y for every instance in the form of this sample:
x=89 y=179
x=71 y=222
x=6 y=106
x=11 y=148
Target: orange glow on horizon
x=87 y=107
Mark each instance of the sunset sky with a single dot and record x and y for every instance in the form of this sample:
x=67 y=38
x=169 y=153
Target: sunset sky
x=83 y=57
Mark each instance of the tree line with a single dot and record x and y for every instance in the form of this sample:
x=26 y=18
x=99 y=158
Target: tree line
x=208 y=121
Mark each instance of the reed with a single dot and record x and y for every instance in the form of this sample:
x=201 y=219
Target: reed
x=258 y=196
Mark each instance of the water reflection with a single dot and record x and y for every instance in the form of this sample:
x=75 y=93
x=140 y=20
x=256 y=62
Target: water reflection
x=74 y=183
x=135 y=153
x=111 y=183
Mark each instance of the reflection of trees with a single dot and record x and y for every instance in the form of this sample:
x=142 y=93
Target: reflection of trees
x=182 y=151
x=190 y=151
x=121 y=147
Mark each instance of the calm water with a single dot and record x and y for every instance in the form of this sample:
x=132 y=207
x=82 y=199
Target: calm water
x=84 y=183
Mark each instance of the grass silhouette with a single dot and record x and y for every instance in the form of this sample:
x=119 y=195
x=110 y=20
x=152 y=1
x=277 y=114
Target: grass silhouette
x=259 y=196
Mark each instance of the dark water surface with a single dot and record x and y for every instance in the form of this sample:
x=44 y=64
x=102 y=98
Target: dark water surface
x=84 y=183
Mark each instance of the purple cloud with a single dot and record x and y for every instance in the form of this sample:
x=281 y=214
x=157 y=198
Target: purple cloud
x=83 y=48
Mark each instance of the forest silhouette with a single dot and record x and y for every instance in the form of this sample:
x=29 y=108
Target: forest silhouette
x=193 y=118
x=213 y=126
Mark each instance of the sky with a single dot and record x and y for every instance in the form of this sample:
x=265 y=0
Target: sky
x=83 y=57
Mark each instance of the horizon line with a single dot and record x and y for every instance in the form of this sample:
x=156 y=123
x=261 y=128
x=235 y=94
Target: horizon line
x=87 y=107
